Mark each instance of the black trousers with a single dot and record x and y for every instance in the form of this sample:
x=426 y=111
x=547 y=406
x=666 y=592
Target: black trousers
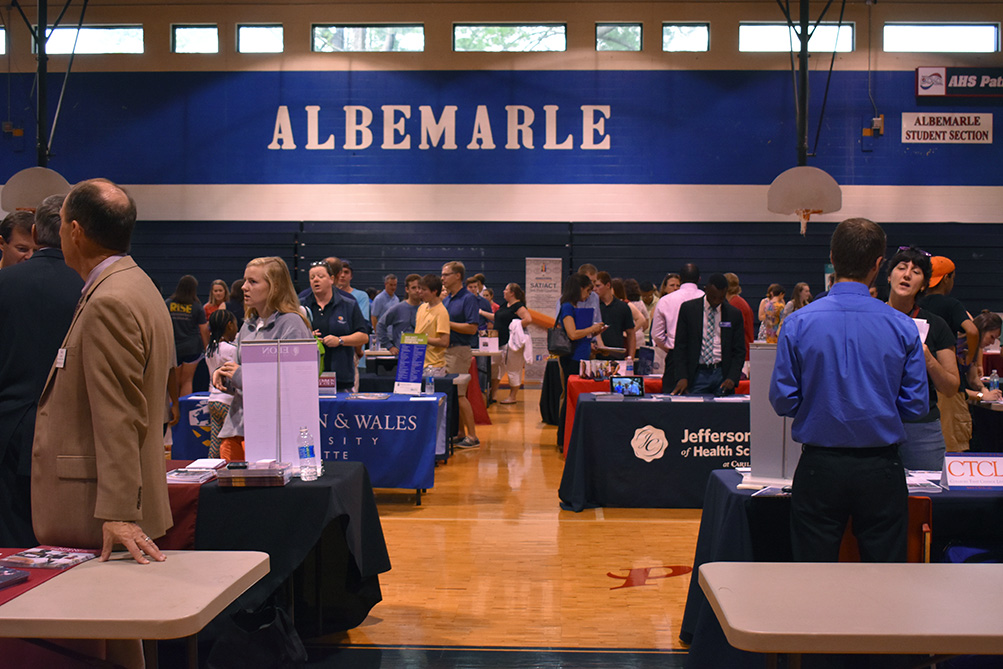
x=568 y=367
x=15 y=488
x=669 y=373
x=832 y=485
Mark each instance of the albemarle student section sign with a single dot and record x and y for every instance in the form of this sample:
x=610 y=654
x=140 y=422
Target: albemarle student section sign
x=946 y=128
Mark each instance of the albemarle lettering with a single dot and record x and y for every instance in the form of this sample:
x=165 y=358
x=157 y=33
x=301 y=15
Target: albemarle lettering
x=521 y=122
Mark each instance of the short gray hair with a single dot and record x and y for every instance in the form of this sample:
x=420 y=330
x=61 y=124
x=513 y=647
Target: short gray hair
x=47 y=221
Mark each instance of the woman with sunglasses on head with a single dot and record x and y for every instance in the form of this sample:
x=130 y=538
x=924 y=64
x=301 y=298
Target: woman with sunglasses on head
x=908 y=276
x=338 y=322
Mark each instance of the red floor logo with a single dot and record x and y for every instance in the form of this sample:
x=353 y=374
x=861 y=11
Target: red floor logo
x=641 y=575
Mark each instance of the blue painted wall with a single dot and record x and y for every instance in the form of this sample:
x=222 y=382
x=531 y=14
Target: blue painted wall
x=677 y=127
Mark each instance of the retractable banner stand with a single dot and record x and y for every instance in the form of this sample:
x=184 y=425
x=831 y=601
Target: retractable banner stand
x=543 y=292
x=280 y=397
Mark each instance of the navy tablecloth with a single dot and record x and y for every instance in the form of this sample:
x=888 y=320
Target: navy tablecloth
x=736 y=527
x=396 y=438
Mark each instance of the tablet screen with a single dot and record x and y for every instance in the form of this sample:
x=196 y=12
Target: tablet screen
x=628 y=386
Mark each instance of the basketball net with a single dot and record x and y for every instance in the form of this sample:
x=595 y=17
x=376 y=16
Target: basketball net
x=804 y=215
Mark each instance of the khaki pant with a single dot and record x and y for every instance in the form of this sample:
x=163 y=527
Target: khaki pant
x=955 y=421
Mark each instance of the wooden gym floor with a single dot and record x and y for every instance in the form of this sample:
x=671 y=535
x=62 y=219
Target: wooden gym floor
x=490 y=561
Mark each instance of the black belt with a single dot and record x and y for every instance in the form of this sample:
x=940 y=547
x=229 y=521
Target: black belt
x=891 y=449
x=714 y=366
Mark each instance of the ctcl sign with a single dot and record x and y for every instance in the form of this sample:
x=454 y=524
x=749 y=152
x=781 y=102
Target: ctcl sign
x=966 y=470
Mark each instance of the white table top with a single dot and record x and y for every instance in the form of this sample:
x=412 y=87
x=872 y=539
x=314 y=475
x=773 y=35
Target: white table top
x=122 y=599
x=857 y=608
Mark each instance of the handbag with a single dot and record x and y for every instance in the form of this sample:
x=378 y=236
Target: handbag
x=558 y=341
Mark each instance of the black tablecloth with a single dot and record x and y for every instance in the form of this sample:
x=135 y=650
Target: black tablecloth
x=736 y=527
x=332 y=522
x=550 y=392
x=650 y=454
x=378 y=383
x=987 y=430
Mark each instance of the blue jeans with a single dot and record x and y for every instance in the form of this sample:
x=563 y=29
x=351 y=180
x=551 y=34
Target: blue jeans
x=923 y=447
x=706 y=381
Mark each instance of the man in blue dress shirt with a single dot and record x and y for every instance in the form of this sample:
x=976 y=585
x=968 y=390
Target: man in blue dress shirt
x=849 y=370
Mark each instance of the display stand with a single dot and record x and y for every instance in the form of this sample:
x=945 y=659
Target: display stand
x=280 y=397
x=411 y=363
x=774 y=454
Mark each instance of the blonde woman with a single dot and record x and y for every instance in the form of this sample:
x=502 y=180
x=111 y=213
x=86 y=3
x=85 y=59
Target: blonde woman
x=271 y=311
x=218 y=295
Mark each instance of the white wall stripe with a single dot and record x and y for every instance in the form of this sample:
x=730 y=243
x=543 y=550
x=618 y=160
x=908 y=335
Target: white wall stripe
x=579 y=203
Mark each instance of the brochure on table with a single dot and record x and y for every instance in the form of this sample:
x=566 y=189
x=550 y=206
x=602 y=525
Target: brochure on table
x=410 y=363
x=280 y=397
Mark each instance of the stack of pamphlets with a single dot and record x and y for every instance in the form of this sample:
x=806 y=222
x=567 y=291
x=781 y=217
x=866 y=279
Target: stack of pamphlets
x=199 y=471
x=9 y=577
x=49 y=557
x=267 y=473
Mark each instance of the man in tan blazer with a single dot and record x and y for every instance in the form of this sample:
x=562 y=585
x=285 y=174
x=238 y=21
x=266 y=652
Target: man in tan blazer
x=97 y=472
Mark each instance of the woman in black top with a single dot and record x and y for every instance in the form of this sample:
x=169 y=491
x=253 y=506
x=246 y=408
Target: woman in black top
x=908 y=275
x=512 y=362
x=191 y=331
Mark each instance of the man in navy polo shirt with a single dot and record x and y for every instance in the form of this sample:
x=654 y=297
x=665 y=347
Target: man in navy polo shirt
x=463 y=317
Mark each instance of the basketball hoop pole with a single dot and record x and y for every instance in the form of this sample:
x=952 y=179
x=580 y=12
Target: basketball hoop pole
x=803 y=36
x=802 y=80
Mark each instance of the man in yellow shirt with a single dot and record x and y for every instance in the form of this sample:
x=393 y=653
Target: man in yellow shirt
x=432 y=319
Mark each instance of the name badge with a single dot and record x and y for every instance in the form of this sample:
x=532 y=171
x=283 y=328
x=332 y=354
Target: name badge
x=972 y=471
x=726 y=324
x=61 y=358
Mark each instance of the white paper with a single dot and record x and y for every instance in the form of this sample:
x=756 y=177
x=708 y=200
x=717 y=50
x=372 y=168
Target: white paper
x=922 y=326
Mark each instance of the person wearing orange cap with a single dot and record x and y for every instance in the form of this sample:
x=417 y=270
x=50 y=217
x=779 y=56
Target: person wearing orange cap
x=955 y=420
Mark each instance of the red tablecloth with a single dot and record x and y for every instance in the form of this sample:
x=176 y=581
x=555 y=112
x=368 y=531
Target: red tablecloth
x=476 y=397
x=184 y=498
x=578 y=385
x=35 y=577
x=991 y=361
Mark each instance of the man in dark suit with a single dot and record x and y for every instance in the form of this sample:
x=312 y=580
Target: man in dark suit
x=710 y=342
x=37 y=299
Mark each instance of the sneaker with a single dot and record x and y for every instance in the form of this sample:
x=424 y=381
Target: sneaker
x=469 y=442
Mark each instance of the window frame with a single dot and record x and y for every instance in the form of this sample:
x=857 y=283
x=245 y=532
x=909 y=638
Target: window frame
x=638 y=24
x=795 y=45
x=92 y=27
x=174 y=38
x=939 y=24
x=375 y=24
x=238 y=26
x=513 y=24
x=665 y=24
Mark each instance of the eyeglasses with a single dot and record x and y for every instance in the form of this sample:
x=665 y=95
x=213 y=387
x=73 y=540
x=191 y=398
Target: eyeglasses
x=913 y=248
x=319 y=263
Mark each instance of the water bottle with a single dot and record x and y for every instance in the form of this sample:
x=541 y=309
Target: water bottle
x=308 y=463
x=630 y=367
x=994 y=381
x=429 y=385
